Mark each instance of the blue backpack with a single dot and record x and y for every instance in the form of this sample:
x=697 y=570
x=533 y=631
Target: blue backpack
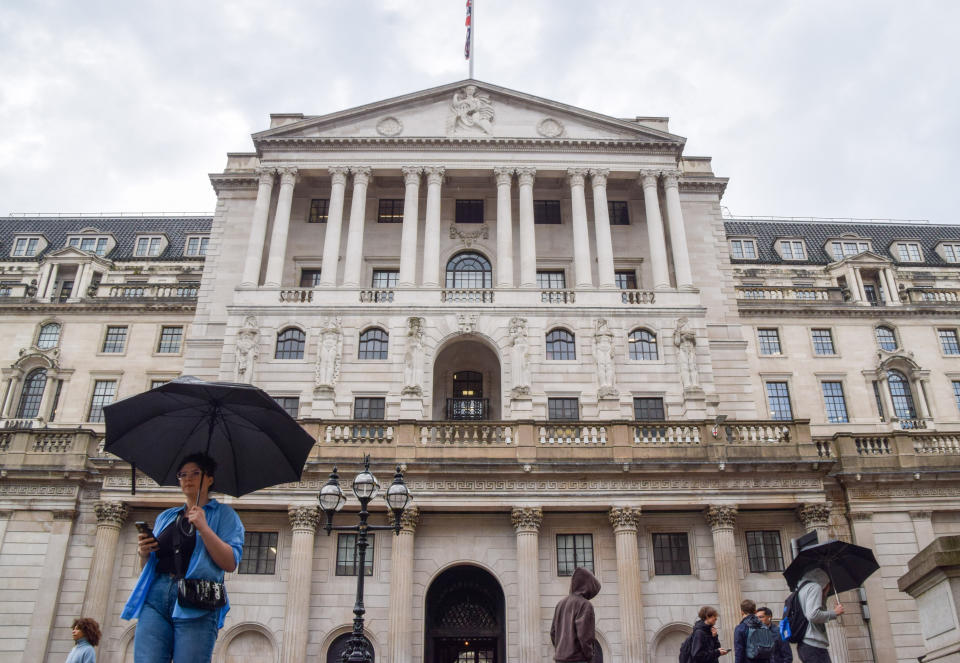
x=794 y=624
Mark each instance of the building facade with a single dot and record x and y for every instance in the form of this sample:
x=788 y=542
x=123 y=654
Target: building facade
x=538 y=312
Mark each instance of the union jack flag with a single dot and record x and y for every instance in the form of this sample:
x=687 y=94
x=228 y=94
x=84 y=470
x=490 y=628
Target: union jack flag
x=466 y=48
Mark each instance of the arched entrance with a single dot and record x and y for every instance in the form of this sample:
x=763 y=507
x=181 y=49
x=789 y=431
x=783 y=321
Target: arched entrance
x=466 y=381
x=465 y=618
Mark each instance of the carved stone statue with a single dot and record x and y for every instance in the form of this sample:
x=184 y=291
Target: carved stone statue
x=470 y=110
x=328 y=359
x=248 y=339
x=603 y=354
x=413 y=359
x=685 y=339
x=519 y=357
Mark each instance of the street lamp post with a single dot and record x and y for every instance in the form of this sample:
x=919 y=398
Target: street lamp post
x=366 y=488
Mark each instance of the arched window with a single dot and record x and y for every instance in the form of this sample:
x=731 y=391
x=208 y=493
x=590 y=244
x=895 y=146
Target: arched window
x=469 y=270
x=374 y=344
x=643 y=345
x=886 y=339
x=560 y=345
x=49 y=336
x=290 y=344
x=901 y=396
x=32 y=394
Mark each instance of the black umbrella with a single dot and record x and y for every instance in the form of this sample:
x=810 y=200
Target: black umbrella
x=253 y=440
x=847 y=565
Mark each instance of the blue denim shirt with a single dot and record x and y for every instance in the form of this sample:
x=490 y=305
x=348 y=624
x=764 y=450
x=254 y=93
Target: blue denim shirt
x=226 y=524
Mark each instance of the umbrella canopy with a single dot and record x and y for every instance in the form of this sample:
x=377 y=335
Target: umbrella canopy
x=253 y=440
x=846 y=564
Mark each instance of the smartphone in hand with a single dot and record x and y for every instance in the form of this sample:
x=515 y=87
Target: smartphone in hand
x=144 y=528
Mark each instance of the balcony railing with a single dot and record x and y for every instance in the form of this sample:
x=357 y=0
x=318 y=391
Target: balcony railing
x=637 y=296
x=468 y=409
x=457 y=434
x=296 y=295
x=558 y=296
x=467 y=296
x=146 y=290
x=789 y=293
x=358 y=433
x=376 y=296
x=933 y=296
x=573 y=435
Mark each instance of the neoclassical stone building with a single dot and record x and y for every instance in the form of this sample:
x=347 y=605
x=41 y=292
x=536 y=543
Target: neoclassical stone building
x=541 y=314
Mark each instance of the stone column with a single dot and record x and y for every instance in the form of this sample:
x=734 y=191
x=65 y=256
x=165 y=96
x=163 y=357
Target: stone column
x=504 y=177
x=601 y=223
x=858 y=279
x=581 y=234
x=43 y=280
x=42 y=621
x=358 y=207
x=49 y=390
x=331 y=240
x=625 y=521
x=816 y=518
x=655 y=234
x=431 y=228
x=852 y=284
x=78 y=280
x=48 y=293
x=923 y=528
x=885 y=398
x=400 y=627
x=11 y=396
x=893 y=295
x=408 y=236
x=110 y=518
x=722 y=521
x=258 y=228
x=923 y=412
x=879 y=624
x=528 y=235
x=80 y=289
x=296 y=618
x=678 y=234
x=526 y=522
x=281 y=228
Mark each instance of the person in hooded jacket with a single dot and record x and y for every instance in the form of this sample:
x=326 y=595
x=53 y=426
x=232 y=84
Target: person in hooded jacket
x=812 y=591
x=573 y=631
x=705 y=645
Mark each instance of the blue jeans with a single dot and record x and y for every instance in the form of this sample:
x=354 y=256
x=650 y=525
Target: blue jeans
x=161 y=639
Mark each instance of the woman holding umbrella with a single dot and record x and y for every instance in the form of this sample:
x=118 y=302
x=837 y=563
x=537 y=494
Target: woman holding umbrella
x=179 y=599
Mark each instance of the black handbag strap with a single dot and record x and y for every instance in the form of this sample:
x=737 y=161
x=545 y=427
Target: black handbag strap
x=178 y=564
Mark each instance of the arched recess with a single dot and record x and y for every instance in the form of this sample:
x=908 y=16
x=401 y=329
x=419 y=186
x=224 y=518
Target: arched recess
x=904 y=393
x=667 y=641
x=331 y=646
x=465 y=616
x=247 y=642
x=466 y=353
x=125 y=648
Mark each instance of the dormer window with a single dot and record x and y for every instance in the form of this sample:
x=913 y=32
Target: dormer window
x=909 y=252
x=25 y=247
x=792 y=249
x=197 y=245
x=844 y=248
x=951 y=251
x=743 y=249
x=97 y=245
x=148 y=247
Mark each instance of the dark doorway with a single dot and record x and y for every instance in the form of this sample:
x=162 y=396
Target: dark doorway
x=465 y=618
x=468 y=401
x=339 y=646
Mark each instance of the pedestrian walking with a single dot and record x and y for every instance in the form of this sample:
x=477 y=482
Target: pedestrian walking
x=812 y=593
x=781 y=650
x=752 y=643
x=703 y=645
x=180 y=599
x=86 y=636
x=573 y=632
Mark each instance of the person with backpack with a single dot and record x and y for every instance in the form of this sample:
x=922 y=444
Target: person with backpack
x=812 y=596
x=752 y=642
x=781 y=650
x=703 y=645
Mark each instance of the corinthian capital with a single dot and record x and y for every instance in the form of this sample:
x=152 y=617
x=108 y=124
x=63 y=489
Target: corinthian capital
x=624 y=518
x=598 y=176
x=814 y=515
x=435 y=174
x=526 y=175
x=409 y=519
x=576 y=176
x=303 y=517
x=110 y=514
x=288 y=175
x=266 y=174
x=338 y=174
x=671 y=178
x=411 y=175
x=648 y=178
x=504 y=176
x=721 y=517
x=361 y=174
x=526 y=518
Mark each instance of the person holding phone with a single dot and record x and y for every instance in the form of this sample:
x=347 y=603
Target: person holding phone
x=179 y=600
x=704 y=643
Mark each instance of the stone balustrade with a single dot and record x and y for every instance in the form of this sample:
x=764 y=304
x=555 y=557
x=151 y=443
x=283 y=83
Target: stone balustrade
x=147 y=291
x=933 y=296
x=789 y=293
x=296 y=296
x=467 y=296
x=376 y=296
x=558 y=296
x=573 y=434
x=473 y=434
x=666 y=434
x=637 y=296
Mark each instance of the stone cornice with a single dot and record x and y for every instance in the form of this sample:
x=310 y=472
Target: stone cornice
x=802 y=309
x=234 y=181
x=717 y=185
x=86 y=306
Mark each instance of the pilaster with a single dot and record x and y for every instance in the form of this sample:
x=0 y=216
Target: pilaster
x=625 y=521
x=526 y=521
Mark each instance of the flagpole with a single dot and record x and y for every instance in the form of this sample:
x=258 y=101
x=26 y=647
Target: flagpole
x=473 y=32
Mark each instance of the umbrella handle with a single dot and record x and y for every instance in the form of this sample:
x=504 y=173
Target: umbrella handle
x=133 y=478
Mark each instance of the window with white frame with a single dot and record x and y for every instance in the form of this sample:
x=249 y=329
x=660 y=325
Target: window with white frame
x=822 y=342
x=909 y=252
x=769 y=341
x=92 y=244
x=951 y=252
x=197 y=245
x=25 y=247
x=778 y=398
x=743 y=249
x=834 y=402
x=170 y=340
x=844 y=248
x=948 y=341
x=792 y=249
x=104 y=393
x=148 y=247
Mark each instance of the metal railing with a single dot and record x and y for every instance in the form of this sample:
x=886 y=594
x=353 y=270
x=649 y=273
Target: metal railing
x=467 y=409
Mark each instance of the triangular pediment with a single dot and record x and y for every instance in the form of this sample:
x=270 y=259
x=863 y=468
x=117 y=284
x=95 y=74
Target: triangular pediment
x=71 y=253
x=866 y=258
x=467 y=110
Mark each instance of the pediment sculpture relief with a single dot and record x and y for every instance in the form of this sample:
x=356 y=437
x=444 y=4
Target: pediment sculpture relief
x=470 y=111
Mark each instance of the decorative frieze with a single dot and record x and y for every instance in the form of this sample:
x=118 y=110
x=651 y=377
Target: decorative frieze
x=526 y=518
x=721 y=517
x=624 y=518
x=111 y=514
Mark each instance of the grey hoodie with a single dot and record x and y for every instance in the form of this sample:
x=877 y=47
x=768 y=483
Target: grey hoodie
x=814 y=609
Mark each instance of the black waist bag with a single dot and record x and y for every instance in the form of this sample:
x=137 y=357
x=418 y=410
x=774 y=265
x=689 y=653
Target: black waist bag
x=194 y=592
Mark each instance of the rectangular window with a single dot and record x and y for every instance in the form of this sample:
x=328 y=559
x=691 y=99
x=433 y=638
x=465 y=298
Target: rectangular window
x=469 y=211
x=956 y=392
x=948 y=341
x=552 y=280
x=369 y=408
x=822 y=342
x=778 y=398
x=104 y=393
x=743 y=249
x=170 y=340
x=792 y=249
x=26 y=247
x=6 y=288
x=197 y=246
x=876 y=394
x=835 y=403
x=259 y=553
x=671 y=554
x=626 y=279
x=115 y=339
x=764 y=551
x=290 y=404
x=385 y=278
x=147 y=247
x=648 y=409
x=574 y=550
x=390 y=210
x=348 y=558
x=158 y=383
x=546 y=212
x=309 y=278
x=563 y=409
x=617 y=209
x=319 y=210
x=909 y=252
x=769 y=341
x=845 y=249
x=951 y=252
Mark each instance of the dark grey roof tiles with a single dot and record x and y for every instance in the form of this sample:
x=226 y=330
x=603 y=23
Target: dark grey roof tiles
x=124 y=230
x=881 y=236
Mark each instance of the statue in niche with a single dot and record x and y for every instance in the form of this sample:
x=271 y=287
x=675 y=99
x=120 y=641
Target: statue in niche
x=328 y=359
x=471 y=110
x=603 y=354
x=248 y=339
x=685 y=340
x=519 y=357
x=413 y=359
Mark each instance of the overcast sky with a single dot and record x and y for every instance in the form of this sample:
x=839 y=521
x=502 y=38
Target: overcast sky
x=834 y=108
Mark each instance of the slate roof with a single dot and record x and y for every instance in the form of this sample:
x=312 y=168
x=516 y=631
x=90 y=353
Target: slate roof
x=882 y=236
x=124 y=230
